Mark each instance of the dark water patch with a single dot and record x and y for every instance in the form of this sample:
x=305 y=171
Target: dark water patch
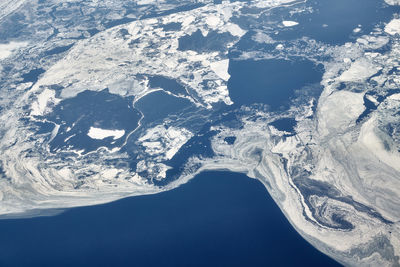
x=246 y=43
x=369 y=108
x=44 y=127
x=340 y=220
x=58 y=50
x=333 y=22
x=392 y=71
x=92 y=31
x=229 y=117
x=33 y=75
x=285 y=124
x=217 y=219
x=384 y=49
x=13 y=26
x=342 y=86
x=370 y=79
x=198 y=146
x=124 y=34
x=230 y=140
x=167 y=84
x=158 y=105
x=57 y=88
x=2 y=172
x=272 y=82
x=173 y=26
x=133 y=42
x=92 y=109
x=392 y=92
x=214 y=41
x=117 y=22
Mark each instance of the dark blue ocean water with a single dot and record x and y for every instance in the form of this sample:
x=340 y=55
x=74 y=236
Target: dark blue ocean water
x=99 y=109
x=272 y=82
x=333 y=21
x=217 y=219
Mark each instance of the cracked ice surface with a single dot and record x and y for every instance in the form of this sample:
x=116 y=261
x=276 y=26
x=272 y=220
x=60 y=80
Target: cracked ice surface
x=123 y=59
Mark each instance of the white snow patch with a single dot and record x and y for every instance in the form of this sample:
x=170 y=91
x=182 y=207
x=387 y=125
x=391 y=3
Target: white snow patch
x=289 y=23
x=394 y=97
x=235 y=30
x=98 y=133
x=347 y=60
x=262 y=37
x=393 y=27
x=44 y=101
x=372 y=99
x=359 y=71
x=393 y=2
x=6 y=50
x=221 y=69
x=264 y=4
x=164 y=141
x=339 y=111
x=370 y=138
x=145 y=2
x=212 y=21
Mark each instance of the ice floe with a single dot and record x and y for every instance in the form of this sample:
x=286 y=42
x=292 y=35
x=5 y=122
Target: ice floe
x=289 y=23
x=164 y=142
x=393 y=2
x=359 y=71
x=98 y=133
x=221 y=69
x=393 y=27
